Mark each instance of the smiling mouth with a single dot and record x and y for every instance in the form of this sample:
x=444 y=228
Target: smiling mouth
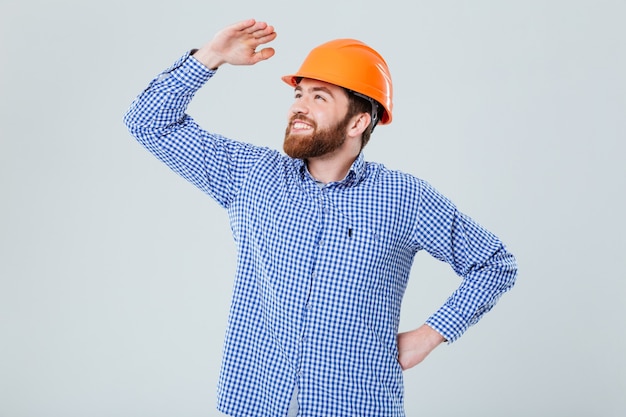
x=298 y=125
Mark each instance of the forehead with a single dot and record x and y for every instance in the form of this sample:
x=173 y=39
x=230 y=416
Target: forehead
x=307 y=84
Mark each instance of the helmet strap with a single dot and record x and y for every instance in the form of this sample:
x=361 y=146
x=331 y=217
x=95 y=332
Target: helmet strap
x=374 y=113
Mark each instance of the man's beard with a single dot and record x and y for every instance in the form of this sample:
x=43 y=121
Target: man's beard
x=316 y=143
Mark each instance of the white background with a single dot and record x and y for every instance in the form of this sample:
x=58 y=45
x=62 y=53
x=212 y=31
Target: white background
x=115 y=274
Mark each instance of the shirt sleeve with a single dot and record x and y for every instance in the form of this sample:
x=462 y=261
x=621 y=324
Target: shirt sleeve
x=488 y=269
x=157 y=119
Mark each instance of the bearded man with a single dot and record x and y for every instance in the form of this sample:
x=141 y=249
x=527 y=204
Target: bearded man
x=325 y=239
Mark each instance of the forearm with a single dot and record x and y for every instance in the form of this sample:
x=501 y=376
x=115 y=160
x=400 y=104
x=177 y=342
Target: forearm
x=478 y=256
x=164 y=102
x=457 y=314
x=478 y=293
x=157 y=118
x=158 y=121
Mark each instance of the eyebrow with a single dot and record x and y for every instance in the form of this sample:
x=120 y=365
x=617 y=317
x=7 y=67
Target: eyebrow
x=315 y=89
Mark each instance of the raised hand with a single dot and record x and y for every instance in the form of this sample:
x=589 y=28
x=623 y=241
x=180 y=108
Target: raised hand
x=237 y=45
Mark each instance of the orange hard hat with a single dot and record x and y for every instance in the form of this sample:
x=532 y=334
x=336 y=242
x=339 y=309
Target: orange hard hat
x=353 y=65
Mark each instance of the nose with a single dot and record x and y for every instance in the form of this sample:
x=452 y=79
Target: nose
x=299 y=106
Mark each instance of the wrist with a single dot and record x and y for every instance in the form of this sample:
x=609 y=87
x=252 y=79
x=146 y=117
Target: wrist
x=432 y=336
x=207 y=58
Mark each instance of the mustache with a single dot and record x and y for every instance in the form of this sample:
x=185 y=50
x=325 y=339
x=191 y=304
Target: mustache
x=302 y=118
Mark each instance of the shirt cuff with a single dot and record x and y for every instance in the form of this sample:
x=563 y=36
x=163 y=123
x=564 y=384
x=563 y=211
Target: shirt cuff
x=190 y=72
x=448 y=322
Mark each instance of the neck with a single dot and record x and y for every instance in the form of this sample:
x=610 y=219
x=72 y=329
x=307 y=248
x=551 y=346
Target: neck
x=330 y=168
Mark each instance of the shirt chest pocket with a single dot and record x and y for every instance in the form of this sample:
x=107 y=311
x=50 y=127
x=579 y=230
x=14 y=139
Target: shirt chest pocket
x=369 y=251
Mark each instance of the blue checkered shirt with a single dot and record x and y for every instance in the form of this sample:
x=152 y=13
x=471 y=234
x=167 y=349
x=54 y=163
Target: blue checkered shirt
x=321 y=271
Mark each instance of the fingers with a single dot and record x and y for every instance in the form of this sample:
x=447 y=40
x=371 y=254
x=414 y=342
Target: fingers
x=263 y=34
x=253 y=27
x=237 y=44
x=243 y=25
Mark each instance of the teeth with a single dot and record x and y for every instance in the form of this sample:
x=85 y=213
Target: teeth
x=300 y=125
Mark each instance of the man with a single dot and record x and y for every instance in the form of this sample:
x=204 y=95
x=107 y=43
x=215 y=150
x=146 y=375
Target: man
x=325 y=240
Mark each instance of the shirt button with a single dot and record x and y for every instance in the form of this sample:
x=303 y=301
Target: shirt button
x=314 y=274
x=321 y=243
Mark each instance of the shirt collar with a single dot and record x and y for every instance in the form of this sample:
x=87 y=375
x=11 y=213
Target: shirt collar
x=355 y=174
x=358 y=168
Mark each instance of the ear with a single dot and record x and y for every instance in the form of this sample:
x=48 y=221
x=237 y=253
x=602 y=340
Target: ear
x=359 y=123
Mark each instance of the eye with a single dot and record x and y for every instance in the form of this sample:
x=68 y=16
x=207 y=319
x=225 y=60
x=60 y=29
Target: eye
x=320 y=97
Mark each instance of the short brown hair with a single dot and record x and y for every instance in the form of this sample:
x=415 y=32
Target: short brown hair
x=356 y=105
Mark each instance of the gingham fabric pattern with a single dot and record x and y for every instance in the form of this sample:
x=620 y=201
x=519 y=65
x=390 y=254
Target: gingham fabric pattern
x=321 y=270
